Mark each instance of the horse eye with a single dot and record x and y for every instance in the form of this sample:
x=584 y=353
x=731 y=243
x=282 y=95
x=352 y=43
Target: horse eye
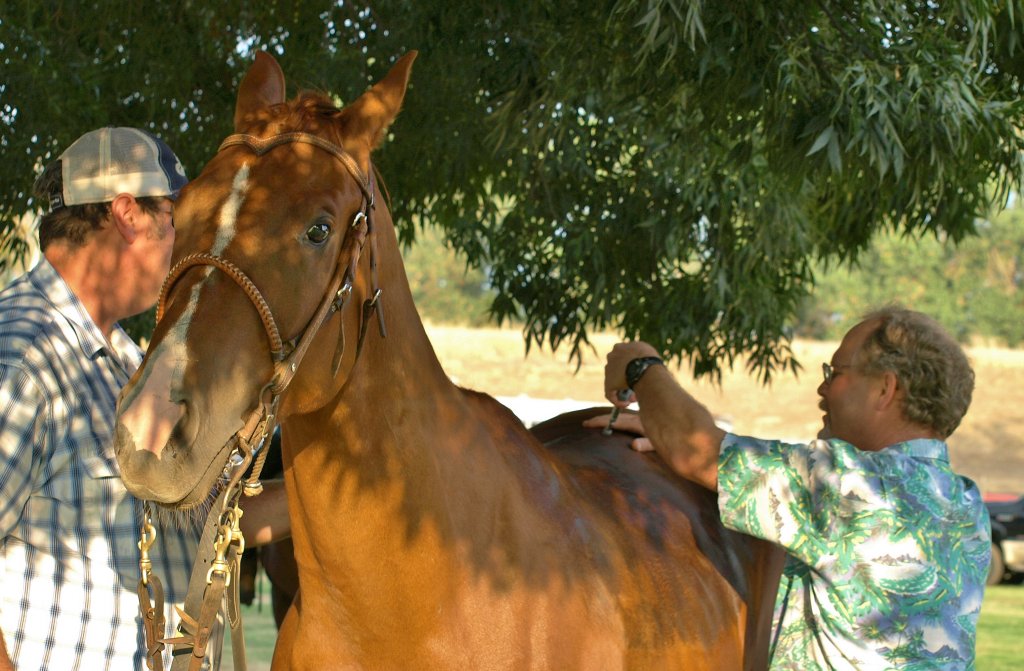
x=318 y=232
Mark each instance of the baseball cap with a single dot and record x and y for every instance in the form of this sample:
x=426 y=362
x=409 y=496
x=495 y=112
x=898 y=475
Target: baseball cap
x=106 y=162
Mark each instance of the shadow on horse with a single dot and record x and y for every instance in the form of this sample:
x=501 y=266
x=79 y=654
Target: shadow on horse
x=431 y=530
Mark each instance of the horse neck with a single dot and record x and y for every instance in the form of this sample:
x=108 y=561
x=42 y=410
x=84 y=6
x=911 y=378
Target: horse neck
x=405 y=465
x=403 y=361
x=397 y=412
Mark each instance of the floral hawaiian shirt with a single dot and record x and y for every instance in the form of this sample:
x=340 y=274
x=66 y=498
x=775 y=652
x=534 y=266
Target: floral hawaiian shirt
x=888 y=551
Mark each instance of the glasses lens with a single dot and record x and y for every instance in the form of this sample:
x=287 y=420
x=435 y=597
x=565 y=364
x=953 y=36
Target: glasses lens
x=826 y=371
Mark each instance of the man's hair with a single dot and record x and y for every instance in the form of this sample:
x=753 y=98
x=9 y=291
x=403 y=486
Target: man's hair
x=74 y=223
x=931 y=367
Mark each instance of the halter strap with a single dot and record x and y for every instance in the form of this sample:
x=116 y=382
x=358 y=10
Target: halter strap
x=261 y=146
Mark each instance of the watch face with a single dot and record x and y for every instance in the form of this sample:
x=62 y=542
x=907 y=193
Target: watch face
x=631 y=371
x=636 y=368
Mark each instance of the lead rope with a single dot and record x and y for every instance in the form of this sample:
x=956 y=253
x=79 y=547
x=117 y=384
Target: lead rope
x=152 y=609
x=222 y=539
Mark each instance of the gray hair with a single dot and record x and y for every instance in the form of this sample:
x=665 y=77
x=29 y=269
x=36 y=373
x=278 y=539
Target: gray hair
x=930 y=366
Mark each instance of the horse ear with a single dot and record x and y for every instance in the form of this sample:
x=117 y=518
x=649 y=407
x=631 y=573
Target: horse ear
x=372 y=113
x=262 y=87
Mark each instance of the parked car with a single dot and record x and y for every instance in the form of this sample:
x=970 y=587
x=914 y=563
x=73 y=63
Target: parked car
x=1007 y=514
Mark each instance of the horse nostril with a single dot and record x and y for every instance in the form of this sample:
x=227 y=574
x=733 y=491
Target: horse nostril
x=186 y=429
x=124 y=443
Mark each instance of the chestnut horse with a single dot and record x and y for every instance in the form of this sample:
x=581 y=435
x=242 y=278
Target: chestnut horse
x=431 y=530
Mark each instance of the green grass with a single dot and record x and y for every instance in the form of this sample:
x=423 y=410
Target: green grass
x=1000 y=630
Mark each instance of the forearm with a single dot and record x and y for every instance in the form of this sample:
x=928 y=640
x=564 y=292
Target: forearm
x=682 y=431
x=265 y=517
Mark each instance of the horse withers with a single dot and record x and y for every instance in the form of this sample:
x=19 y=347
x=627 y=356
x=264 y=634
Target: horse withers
x=431 y=530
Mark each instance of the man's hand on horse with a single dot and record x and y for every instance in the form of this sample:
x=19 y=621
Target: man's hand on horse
x=615 y=369
x=618 y=392
x=627 y=422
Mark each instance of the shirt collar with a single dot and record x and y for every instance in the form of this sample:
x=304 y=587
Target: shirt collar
x=77 y=324
x=924 y=448
x=927 y=448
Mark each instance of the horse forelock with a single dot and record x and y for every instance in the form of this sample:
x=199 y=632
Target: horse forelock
x=309 y=112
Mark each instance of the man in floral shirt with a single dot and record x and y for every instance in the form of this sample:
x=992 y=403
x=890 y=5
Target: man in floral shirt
x=888 y=547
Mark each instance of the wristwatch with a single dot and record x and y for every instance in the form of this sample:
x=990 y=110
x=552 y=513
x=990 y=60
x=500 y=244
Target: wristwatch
x=636 y=368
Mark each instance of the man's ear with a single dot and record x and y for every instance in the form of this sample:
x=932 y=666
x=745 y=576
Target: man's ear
x=889 y=392
x=124 y=212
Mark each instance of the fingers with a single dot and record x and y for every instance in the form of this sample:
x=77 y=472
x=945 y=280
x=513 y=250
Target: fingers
x=620 y=398
x=642 y=445
x=615 y=366
x=628 y=422
x=597 y=421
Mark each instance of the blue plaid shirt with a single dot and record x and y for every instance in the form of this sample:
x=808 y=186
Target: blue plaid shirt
x=68 y=528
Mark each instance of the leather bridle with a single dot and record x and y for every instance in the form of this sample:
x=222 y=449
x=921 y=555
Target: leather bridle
x=221 y=534
x=286 y=360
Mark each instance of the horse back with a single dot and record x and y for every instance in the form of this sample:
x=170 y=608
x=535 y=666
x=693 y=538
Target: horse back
x=670 y=531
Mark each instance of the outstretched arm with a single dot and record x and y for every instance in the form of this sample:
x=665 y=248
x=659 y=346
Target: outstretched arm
x=676 y=425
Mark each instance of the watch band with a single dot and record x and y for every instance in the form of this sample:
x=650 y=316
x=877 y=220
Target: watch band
x=636 y=368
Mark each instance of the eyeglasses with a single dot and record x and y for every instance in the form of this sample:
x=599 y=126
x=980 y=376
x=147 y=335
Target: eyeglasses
x=828 y=370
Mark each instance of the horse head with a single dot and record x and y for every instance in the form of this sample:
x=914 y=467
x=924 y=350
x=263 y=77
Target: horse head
x=268 y=282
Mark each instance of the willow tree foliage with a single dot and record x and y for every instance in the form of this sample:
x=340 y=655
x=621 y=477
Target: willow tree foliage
x=672 y=169
x=975 y=288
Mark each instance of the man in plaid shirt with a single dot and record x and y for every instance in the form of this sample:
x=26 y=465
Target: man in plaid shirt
x=68 y=528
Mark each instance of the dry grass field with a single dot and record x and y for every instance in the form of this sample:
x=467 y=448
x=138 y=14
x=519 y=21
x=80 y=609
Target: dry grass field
x=988 y=446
